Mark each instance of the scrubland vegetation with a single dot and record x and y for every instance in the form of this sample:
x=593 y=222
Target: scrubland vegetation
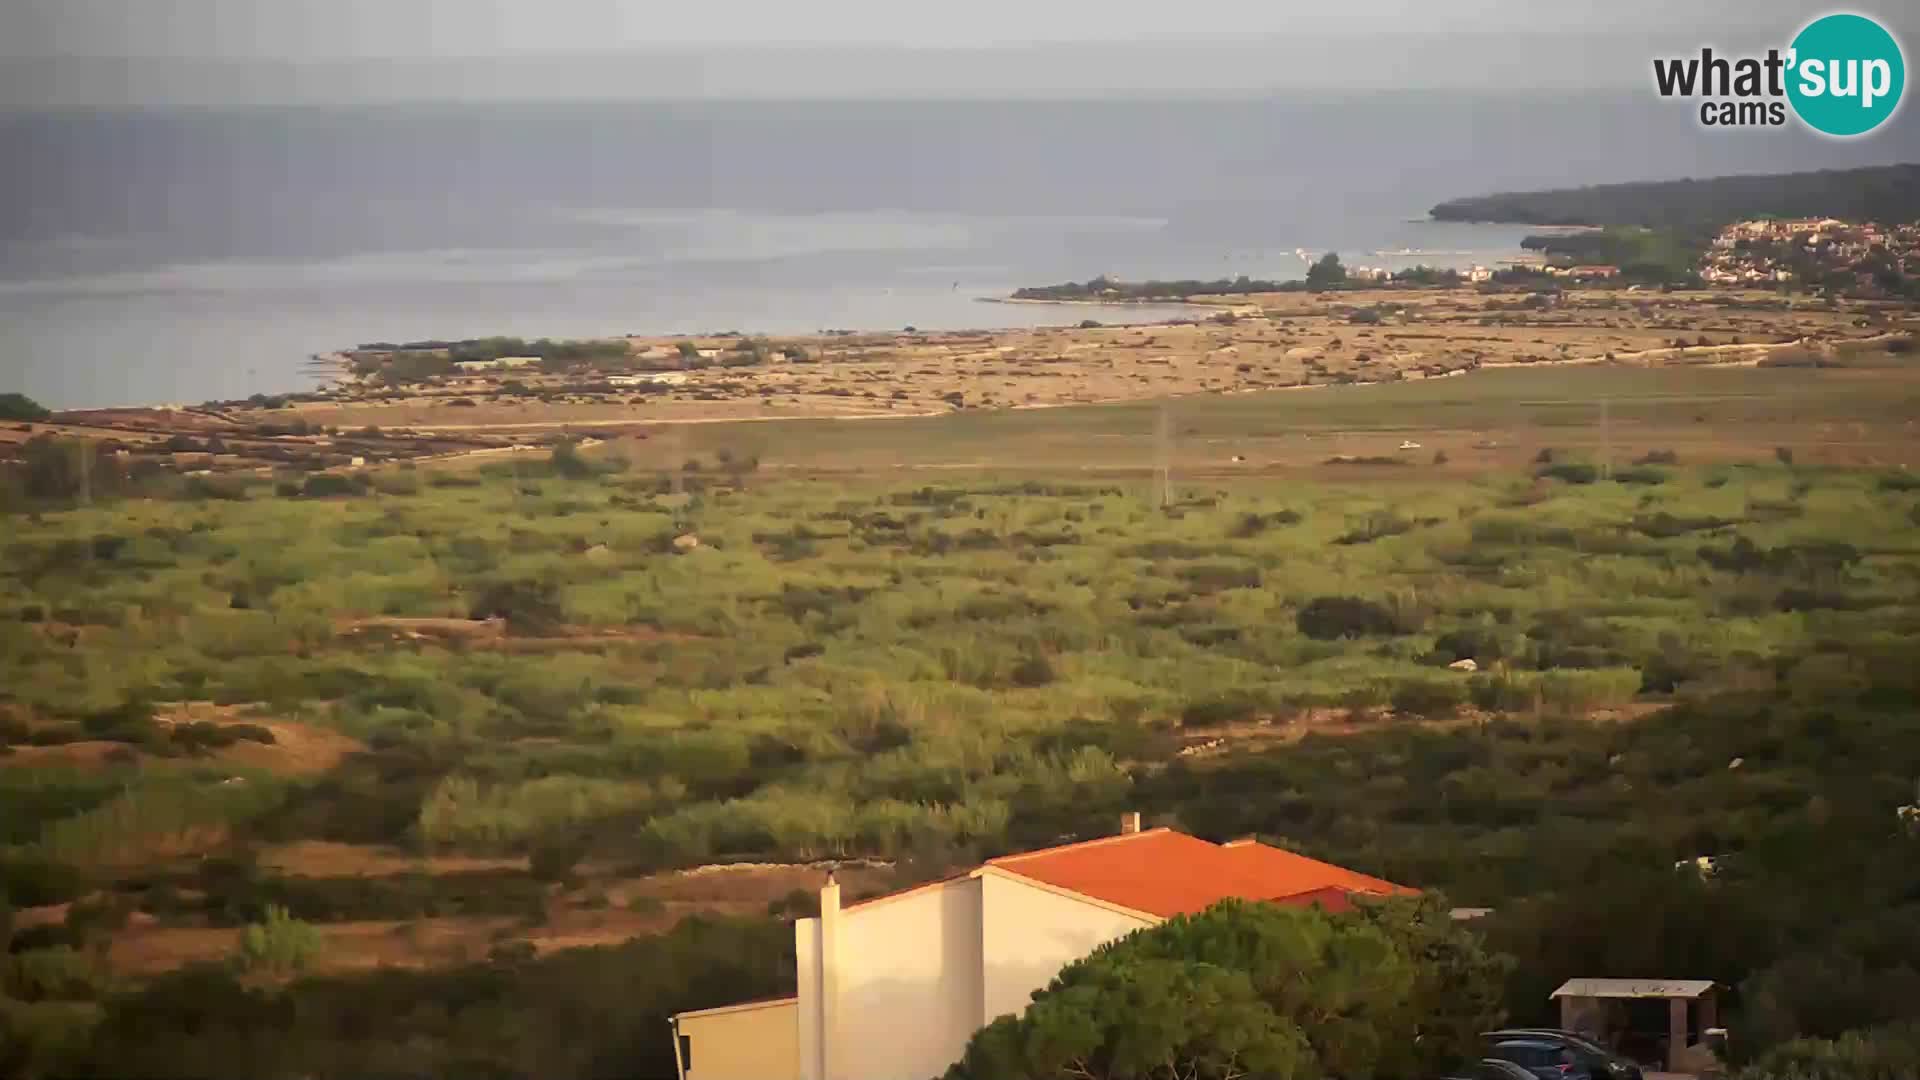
x=1670 y=661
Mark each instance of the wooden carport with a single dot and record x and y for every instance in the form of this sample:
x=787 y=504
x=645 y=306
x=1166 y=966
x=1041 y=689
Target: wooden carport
x=1578 y=996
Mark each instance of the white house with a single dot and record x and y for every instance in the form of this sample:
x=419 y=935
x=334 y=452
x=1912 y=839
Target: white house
x=504 y=363
x=892 y=988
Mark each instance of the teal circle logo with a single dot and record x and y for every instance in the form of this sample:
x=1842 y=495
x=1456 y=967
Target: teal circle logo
x=1846 y=75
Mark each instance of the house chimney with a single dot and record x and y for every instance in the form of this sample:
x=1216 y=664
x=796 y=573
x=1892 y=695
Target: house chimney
x=1129 y=823
x=829 y=961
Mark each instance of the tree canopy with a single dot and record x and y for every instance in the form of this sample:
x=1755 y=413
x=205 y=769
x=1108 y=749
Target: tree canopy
x=1879 y=193
x=1327 y=271
x=21 y=407
x=1394 y=989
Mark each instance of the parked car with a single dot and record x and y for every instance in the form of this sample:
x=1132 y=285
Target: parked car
x=1588 y=1059
x=1544 y=1058
x=1493 y=1069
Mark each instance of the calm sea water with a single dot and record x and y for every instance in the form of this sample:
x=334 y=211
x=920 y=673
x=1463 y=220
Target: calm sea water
x=181 y=255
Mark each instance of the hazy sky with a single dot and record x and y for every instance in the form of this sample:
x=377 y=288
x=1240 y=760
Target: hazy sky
x=238 y=50
x=418 y=28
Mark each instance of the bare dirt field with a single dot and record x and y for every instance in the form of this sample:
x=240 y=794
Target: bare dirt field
x=297 y=750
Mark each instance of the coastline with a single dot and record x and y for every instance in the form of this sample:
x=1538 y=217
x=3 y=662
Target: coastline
x=1288 y=341
x=1093 y=302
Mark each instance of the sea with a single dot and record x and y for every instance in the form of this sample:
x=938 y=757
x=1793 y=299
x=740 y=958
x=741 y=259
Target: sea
x=180 y=255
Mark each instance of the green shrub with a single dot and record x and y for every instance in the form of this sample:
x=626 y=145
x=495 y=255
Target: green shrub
x=554 y=858
x=1215 y=577
x=396 y=482
x=467 y=812
x=1639 y=475
x=1034 y=671
x=57 y=973
x=278 y=945
x=1571 y=472
x=567 y=461
x=327 y=485
x=33 y=881
x=1429 y=697
x=1248 y=526
x=223 y=487
x=529 y=607
x=1231 y=707
x=1330 y=618
x=1379 y=524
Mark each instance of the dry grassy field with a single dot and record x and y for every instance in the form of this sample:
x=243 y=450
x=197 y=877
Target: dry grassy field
x=1234 y=344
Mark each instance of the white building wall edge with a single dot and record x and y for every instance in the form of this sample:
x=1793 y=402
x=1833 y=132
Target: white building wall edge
x=1029 y=933
x=909 y=982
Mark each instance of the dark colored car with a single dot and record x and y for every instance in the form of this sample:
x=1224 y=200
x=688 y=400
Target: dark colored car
x=1585 y=1058
x=1492 y=1069
x=1546 y=1059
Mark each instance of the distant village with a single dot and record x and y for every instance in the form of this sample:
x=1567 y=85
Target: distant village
x=1480 y=275
x=1864 y=256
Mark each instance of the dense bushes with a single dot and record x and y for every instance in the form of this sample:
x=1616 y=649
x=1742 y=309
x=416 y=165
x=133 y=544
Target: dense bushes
x=28 y=880
x=529 y=607
x=1572 y=472
x=1882 y=1053
x=939 y=674
x=229 y=892
x=470 y=814
x=1329 y=618
x=1250 y=525
x=1429 y=697
x=326 y=485
x=573 y=1013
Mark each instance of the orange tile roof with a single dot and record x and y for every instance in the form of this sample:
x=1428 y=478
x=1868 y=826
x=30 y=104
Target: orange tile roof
x=1165 y=873
x=1332 y=898
x=1279 y=864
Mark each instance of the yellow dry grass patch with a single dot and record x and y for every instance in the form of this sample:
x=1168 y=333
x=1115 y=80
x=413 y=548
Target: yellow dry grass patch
x=325 y=858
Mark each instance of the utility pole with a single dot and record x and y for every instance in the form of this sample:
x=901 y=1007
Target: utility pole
x=676 y=457
x=1163 y=458
x=1606 y=439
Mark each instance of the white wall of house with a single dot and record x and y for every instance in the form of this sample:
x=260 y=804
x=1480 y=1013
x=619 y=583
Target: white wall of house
x=906 y=985
x=746 y=1042
x=912 y=977
x=806 y=961
x=1029 y=933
